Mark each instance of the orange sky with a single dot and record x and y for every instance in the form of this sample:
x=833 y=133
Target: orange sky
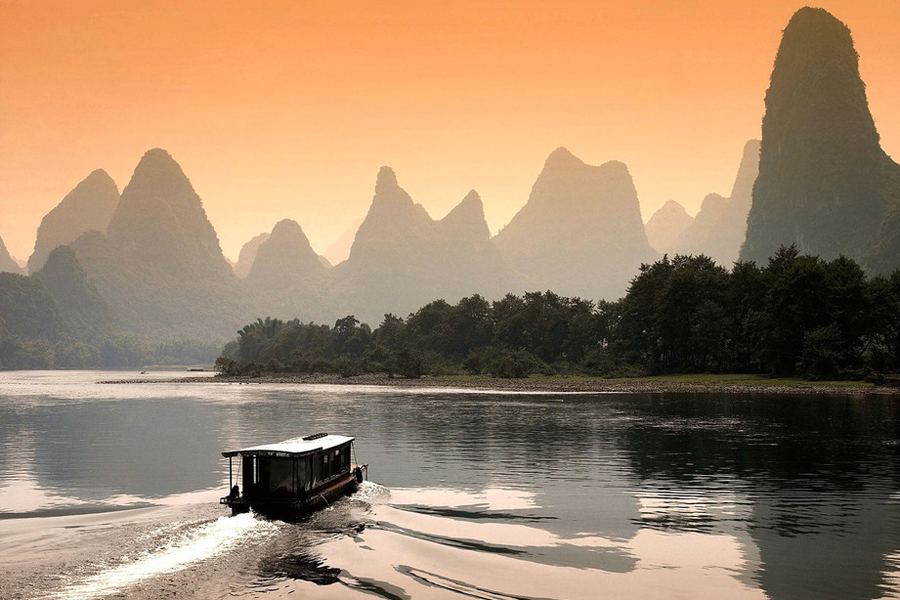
x=286 y=109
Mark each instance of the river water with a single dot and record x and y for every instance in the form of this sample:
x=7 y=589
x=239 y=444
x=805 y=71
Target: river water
x=111 y=491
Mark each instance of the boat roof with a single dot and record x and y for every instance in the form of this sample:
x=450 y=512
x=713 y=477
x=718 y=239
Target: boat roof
x=294 y=447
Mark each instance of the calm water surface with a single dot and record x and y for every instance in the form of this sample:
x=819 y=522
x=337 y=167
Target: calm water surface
x=111 y=491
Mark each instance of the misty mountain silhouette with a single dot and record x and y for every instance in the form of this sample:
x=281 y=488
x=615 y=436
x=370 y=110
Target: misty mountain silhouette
x=160 y=219
x=248 y=254
x=666 y=225
x=720 y=227
x=7 y=264
x=148 y=262
x=824 y=182
x=288 y=274
x=160 y=266
x=89 y=206
x=402 y=258
x=580 y=233
x=84 y=313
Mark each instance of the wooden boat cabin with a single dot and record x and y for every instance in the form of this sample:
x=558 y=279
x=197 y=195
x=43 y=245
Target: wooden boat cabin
x=292 y=478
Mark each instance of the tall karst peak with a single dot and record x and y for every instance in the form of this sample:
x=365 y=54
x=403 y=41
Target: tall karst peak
x=286 y=258
x=392 y=221
x=816 y=82
x=392 y=200
x=402 y=259
x=160 y=266
x=581 y=232
x=561 y=159
x=160 y=218
x=288 y=229
x=471 y=207
x=467 y=218
x=288 y=243
x=157 y=158
x=288 y=274
x=386 y=180
x=473 y=201
x=89 y=206
x=158 y=178
x=98 y=178
x=824 y=182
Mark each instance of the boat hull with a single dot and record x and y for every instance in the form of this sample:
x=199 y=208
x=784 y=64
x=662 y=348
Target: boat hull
x=287 y=509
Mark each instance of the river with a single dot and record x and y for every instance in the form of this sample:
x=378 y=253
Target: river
x=111 y=491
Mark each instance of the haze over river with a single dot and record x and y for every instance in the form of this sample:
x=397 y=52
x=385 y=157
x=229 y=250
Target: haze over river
x=111 y=490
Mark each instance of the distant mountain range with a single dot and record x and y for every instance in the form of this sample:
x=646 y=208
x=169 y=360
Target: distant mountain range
x=402 y=258
x=160 y=266
x=148 y=262
x=88 y=207
x=719 y=228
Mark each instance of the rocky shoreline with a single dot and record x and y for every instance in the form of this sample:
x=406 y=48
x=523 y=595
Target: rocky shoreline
x=647 y=385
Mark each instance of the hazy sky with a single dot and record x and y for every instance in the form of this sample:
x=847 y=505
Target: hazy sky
x=286 y=109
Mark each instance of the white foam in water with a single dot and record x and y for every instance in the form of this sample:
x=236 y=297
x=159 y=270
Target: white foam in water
x=369 y=492
x=204 y=542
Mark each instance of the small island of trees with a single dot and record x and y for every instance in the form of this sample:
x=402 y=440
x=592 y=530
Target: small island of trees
x=797 y=316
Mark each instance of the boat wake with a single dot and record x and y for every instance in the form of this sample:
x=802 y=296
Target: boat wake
x=184 y=547
x=405 y=544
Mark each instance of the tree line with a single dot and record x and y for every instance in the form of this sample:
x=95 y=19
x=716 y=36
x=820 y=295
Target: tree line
x=798 y=315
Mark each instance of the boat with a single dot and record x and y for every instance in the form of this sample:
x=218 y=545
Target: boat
x=292 y=479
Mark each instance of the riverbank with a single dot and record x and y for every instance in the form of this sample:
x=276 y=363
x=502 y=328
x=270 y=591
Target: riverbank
x=720 y=384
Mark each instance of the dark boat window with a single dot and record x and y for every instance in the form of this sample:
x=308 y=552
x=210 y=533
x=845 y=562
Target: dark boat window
x=262 y=475
x=316 y=469
x=279 y=475
x=345 y=459
x=302 y=473
x=248 y=474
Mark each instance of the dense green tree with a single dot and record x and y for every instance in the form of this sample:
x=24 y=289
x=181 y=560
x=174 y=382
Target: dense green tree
x=351 y=338
x=640 y=337
x=255 y=338
x=691 y=315
x=796 y=304
x=745 y=297
x=882 y=348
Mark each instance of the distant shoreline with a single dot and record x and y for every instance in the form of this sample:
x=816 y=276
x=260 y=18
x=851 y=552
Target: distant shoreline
x=718 y=384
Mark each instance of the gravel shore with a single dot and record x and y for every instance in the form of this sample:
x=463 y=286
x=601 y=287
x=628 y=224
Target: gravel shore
x=719 y=385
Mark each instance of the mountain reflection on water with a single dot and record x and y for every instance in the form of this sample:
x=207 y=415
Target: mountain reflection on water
x=483 y=495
